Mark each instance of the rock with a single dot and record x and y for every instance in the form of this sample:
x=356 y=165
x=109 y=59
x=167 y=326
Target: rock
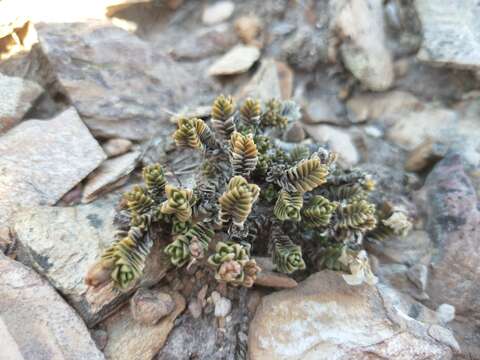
x=100 y=337
x=418 y=274
x=307 y=47
x=223 y=306
x=18 y=96
x=42 y=160
x=324 y=318
x=238 y=60
x=411 y=129
x=294 y=133
x=265 y=84
x=366 y=107
x=195 y=308
x=63 y=243
x=269 y=278
x=35 y=322
x=205 y=43
x=320 y=111
x=340 y=141
x=248 y=29
x=359 y=24
x=118 y=83
x=453 y=223
x=130 y=340
x=425 y=155
x=285 y=76
x=149 y=306
x=450 y=33
x=445 y=313
x=218 y=12
x=109 y=175
x=115 y=147
x=408 y=250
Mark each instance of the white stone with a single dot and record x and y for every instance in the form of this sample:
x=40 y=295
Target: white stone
x=218 y=12
x=445 y=313
x=238 y=60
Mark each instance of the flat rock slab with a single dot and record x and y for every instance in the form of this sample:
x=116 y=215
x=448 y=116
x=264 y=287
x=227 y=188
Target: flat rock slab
x=120 y=86
x=43 y=159
x=17 y=96
x=35 y=322
x=130 y=340
x=112 y=173
x=324 y=318
x=451 y=32
x=63 y=243
x=238 y=60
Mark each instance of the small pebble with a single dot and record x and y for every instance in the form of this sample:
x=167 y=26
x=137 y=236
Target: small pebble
x=248 y=28
x=445 y=313
x=294 y=133
x=115 y=147
x=195 y=309
x=218 y=12
x=148 y=306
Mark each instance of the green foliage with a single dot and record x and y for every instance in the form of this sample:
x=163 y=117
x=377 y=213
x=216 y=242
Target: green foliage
x=249 y=196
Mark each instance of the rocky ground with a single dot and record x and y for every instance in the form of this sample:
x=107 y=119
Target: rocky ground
x=87 y=94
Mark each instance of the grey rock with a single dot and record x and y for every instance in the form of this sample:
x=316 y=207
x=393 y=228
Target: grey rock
x=294 y=133
x=118 y=83
x=109 y=175
x=43 y=160
x=320 y=111
x=453 y=222
x=306 y=48
x=238 y=60
x=223 y=305
x=418 y=274
x=18 y=96
x=63 y=243
x=359 y=25
x=324 y=318
x=35 y=322
x=445 y=313
x=265 y=84
x=451 y=32
x=131 y=340
x=115 y=147
x=149 y=306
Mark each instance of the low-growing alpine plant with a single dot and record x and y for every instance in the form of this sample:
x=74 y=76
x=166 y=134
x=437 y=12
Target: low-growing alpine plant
x=252 y=196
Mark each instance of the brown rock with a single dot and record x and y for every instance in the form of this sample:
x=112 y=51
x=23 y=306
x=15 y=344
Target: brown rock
x=320 y=111
x=265 y=84
x=35 y=321
x=130 y=340
x=149 y=306
x=294 y=133
x=424 y=155
x=109 y=175
x=324 y=318
x=18 y=95
x=269 y=278
x=42 y=160
x=248 y=28
x=115 y=147
x=285 y=76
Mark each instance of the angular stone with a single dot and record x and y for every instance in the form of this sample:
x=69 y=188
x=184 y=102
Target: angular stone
x=339 y=141
x=42 y=160
x=451 y=32
x=17 y=95
x=324 y=318
x=238 y=60
x=411 y=129
x=269 y=278
x=453 y=222
x=149 y=306
x=35 y=322
x=115 y=147
x=424 y=155
x=117 y=82
x=320 y=111
x=63 y=243
x=265 y=84
x=359 y=23
x=218 y=12
x=128 y=339
x=110 y=174
x=366 y=107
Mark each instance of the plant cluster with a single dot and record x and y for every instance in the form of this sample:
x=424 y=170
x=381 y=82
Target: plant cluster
x=252 y=197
